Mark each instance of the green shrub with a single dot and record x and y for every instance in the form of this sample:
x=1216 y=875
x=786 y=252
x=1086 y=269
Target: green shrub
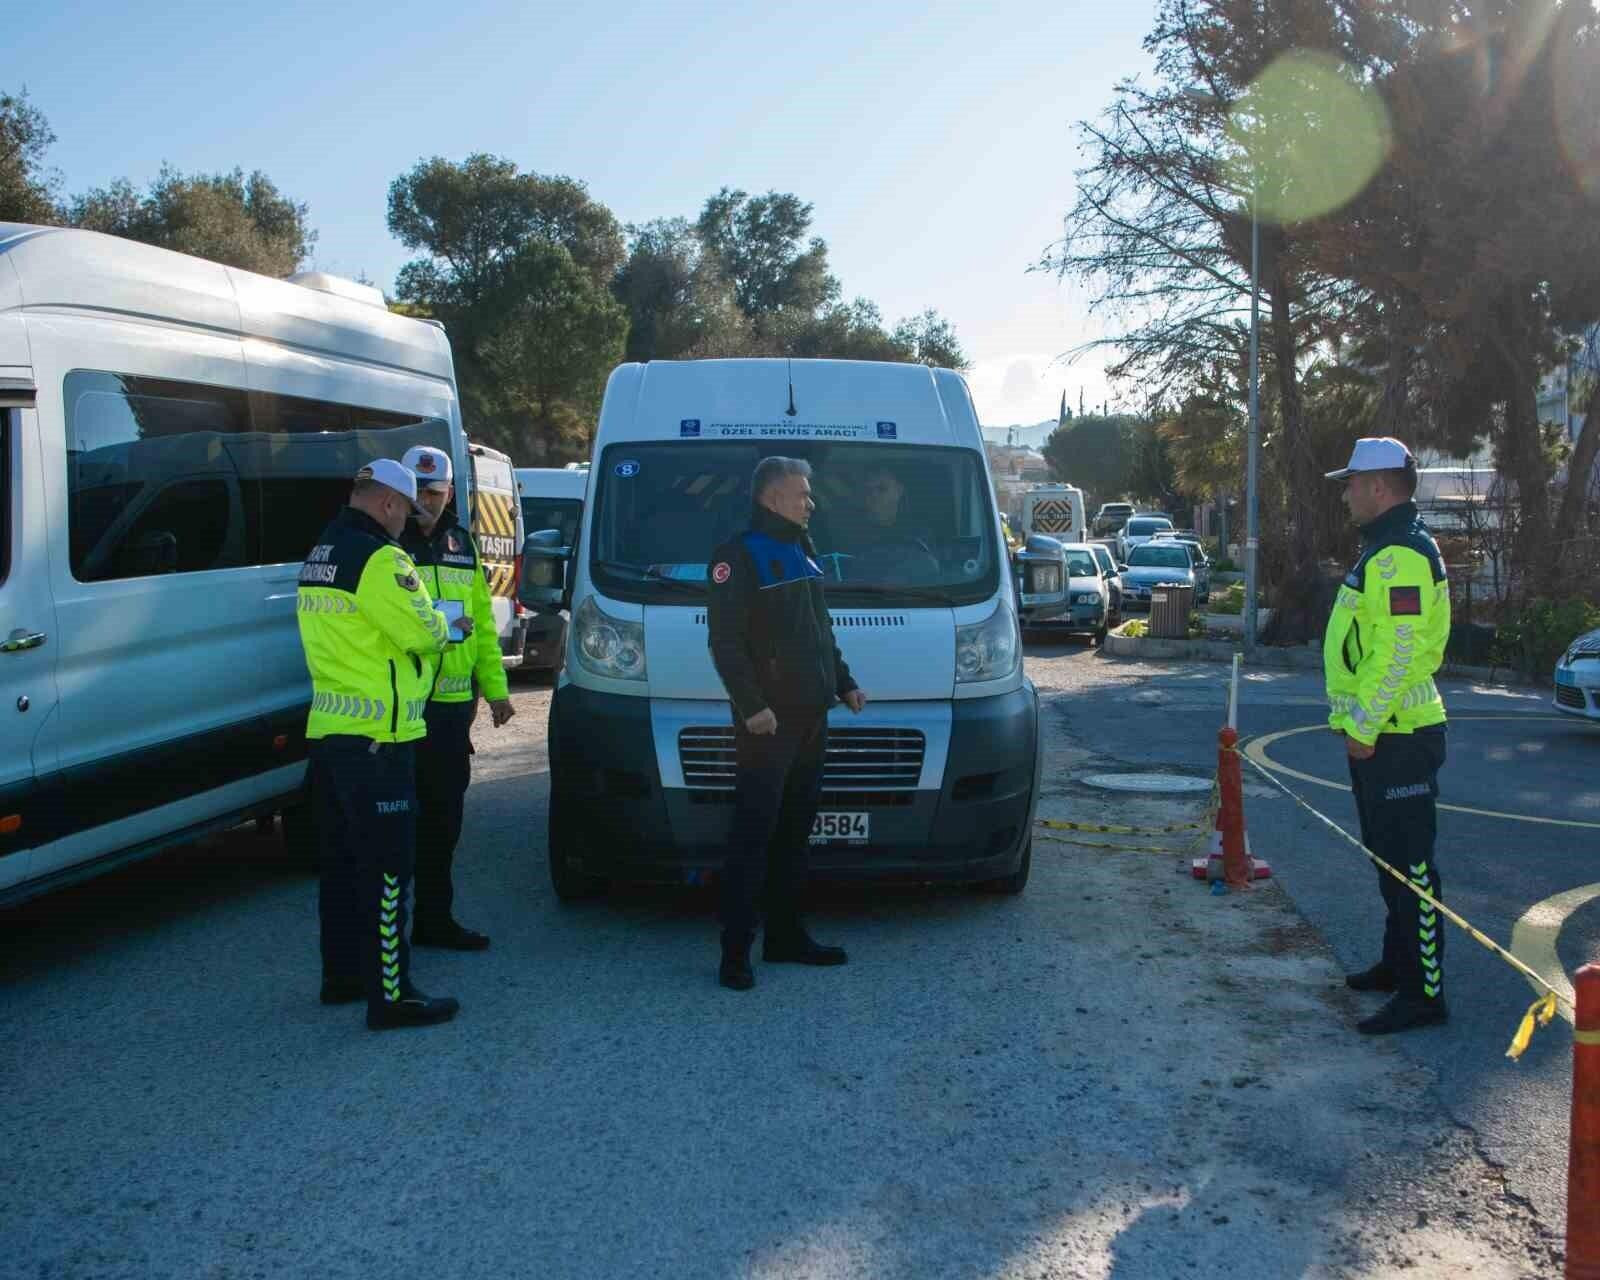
x=1534 y=641
x=1229 y=600
x=1134 y=629
x=1224 y=565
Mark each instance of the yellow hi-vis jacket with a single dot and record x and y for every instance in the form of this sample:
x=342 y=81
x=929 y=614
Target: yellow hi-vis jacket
x=370 y=632
x=1388 y=632
x=447 y=561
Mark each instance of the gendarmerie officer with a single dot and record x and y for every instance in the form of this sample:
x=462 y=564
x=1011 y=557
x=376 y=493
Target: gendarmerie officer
x=447 y=559
x=772 y=642
x=1385 y=640
x=372 y=638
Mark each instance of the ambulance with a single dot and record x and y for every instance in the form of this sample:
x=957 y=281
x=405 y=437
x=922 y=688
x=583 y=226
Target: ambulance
x=938 y=778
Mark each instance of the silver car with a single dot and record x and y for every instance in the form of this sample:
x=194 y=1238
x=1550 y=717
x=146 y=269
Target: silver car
x=1155 y=564
x=1578 y=678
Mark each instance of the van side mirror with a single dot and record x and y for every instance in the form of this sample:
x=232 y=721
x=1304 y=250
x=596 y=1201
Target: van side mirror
x=543 y=580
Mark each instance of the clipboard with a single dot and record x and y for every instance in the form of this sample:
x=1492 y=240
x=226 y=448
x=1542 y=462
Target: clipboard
x=454 y=611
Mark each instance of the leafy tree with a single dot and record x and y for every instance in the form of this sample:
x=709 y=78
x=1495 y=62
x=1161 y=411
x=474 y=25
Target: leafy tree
x=759 y=244
x=1205 y=440
x=1152 y=475
x=230 y=218
x=558 y=335
x=27 y=188
x=473 y=218
x=1095 y=453
x=679 y=305
x=930 y=339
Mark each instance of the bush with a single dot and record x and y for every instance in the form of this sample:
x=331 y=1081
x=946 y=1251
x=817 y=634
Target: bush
x=1534 y=641
x=1135 y=629
x=1229 y=600
x=1223 y=565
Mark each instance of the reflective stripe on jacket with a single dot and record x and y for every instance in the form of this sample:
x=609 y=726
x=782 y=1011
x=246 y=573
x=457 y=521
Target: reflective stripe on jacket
x=1388 y=631
x=451 y=569
x=370 y=632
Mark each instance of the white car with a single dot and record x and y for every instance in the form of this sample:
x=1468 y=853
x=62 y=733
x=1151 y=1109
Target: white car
x=1578 y=677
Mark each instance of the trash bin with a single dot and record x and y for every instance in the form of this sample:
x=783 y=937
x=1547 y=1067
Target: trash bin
x=1170 y=603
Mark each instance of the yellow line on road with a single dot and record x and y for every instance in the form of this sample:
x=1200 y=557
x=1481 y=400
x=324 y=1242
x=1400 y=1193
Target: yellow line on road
x=1256 y=749
x=1533 y=939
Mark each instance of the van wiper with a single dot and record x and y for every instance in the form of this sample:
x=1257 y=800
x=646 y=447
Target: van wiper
x=633 y=573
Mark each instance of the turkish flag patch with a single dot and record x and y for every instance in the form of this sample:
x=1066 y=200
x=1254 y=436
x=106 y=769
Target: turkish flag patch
x=721 y=572
x=1404 y=601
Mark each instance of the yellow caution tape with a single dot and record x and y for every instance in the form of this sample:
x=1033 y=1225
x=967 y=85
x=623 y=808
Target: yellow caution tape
x=1544 y=1008
x=1541 y=1010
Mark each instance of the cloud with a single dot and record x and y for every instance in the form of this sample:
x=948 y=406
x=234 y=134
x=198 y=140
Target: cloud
x=1025 y=387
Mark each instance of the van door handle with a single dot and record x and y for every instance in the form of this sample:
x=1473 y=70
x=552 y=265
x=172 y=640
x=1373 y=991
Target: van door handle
x=21 y=639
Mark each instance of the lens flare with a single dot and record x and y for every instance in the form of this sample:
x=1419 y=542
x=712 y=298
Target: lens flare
x=1308 y=137
x=1577 y=114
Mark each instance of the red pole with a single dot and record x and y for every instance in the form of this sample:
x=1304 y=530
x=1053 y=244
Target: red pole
x=1235 y=862
x=1583 y=1157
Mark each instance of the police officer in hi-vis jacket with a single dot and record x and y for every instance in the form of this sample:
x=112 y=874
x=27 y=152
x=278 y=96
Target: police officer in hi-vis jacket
x=372 y=640
x=447 y=560
x=1385 y=640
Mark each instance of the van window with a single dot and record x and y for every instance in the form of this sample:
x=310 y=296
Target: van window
x=552 y=513
x=178 y=477
x=908 y=524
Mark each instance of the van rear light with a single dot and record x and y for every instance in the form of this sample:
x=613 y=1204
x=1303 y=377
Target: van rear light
x=10 y=824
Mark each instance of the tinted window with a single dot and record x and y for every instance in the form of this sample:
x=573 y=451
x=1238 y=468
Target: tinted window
x=907 y=519
x=1144 y=528
x=175 y=477
x=1168 y=555
x=552 y=513
x=1107 y=564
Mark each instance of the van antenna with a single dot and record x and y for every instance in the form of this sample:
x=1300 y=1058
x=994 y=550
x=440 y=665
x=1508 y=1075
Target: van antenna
x=791 y=411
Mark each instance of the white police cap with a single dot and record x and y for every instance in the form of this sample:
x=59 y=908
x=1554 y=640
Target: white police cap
x=393 y=475
x=431 y=465
x=1375 y=453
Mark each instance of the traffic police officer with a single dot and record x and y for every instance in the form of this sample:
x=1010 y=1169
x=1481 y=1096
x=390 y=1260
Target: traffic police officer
x=1385 y=640
x=447 y=560
x=772 y=643
x=372 y=639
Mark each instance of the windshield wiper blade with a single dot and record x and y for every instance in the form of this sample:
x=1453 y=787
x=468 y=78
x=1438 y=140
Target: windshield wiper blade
x=634 y=573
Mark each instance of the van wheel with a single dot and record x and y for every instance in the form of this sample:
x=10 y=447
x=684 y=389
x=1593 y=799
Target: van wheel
x=570 y=885
x=300 y=837
x=1017 y=881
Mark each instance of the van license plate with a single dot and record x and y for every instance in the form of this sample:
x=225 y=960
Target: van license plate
x=840 y=828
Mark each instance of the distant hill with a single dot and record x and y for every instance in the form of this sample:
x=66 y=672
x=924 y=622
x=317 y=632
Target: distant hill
x=1032 y=436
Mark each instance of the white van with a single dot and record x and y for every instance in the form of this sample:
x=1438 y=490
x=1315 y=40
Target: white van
x=552 y=498
x=496 y=525
x=173 y=436
x=938 y=777
x=1055 y=510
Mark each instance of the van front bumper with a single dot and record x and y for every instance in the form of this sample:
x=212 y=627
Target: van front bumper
x=975 y=825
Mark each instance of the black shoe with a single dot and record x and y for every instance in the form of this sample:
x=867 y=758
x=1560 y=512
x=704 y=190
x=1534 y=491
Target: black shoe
x=735 y=972
x=795 y=946
x=342 y=990
x=1404 y=1013
x=450 y=935
x=1378 y=978
x=412 y=1010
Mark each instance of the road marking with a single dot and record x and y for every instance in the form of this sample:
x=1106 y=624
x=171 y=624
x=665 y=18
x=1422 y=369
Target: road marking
x=1256 y=749
x=1533 y=939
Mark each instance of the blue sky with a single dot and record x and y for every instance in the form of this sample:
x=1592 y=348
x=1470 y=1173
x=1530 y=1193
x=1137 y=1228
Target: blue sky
x=936 y=142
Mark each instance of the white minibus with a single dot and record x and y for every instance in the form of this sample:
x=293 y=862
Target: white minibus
x=938 y=778
x=173 y=436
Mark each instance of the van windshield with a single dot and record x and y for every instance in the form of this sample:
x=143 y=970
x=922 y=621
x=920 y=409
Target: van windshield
x=905 y=524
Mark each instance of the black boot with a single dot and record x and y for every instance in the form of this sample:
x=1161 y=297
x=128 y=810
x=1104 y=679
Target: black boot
x=1404 y=1013
x=448 y=934
x=789 y=943
x=413 y=1009
x=735 y=972
x=1378 y=978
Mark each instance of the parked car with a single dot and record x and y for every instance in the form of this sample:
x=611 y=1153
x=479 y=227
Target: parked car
x=1113 y=580
x=1139 y=529
x=1111 y=517
x=1085 y=608
x=1202 y=562
x=1577 y=689
x=1155 y=564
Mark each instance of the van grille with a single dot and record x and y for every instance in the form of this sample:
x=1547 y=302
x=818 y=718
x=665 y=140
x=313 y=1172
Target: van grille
x=845 y=619
x=861 y=759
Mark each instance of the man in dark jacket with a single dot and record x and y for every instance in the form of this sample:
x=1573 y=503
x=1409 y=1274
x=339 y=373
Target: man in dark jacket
x=772 y=642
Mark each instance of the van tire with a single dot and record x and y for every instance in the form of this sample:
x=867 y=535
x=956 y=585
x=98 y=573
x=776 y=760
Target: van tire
x=570 y=885
x=1017 y=881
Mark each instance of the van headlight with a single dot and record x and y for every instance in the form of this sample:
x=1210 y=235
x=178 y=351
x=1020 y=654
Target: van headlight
x=988 y=650
x=607 y=646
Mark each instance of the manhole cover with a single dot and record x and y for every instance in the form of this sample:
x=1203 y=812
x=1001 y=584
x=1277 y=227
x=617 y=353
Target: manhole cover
x=1170 y=782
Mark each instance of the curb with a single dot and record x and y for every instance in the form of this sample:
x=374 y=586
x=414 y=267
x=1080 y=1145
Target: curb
x=1300 y=658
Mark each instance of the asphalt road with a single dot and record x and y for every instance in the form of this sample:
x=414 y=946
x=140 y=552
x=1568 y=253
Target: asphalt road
x=1115 y=1075
x=1508 y=753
